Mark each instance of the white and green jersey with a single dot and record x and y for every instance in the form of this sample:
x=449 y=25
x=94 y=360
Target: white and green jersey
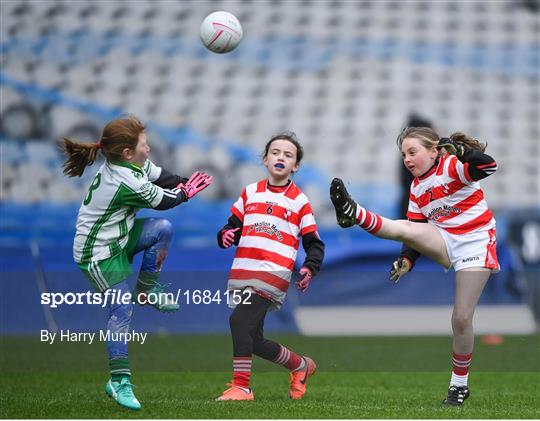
x=107 y=213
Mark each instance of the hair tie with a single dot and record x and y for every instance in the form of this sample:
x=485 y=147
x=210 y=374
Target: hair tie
x=98 y=145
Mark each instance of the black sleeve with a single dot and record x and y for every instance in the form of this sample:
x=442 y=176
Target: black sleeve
x=171 y=198
x=233 y=222
x=314 y=248
x=408 y=251
x=478 y=164
x=169 y=180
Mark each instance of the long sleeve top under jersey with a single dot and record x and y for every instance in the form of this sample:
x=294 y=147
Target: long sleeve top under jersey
x=271 y=220
x=108 y=211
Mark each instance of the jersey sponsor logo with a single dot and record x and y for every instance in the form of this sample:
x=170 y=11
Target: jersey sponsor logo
x=267 y=228
x=443 y=211
x=470 y=259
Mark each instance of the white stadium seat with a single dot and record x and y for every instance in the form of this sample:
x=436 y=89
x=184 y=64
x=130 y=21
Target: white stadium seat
x=346 y=86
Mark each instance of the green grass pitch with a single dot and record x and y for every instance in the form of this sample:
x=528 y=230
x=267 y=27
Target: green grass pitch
x=358 y=377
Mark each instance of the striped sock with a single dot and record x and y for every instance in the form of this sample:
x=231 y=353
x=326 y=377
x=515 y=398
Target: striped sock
x=119 y=367
x=370 y=221
x=460 y=373
x=241 y=371
x=118 y=377
x=289 y=359
x=147 y=280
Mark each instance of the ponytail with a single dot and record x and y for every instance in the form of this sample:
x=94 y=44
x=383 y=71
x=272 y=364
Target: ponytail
x=79 y=156
x=470 y=142
x=117 y=135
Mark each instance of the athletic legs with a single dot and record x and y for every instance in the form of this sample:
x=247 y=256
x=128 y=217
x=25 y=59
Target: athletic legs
x=424 y=238
x=470 y=283
x=247 y=329
x=119 y=320
x=154 y=239
x=119 y=387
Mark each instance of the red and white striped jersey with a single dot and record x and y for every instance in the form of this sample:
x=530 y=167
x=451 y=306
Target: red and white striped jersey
x=447 y=197
x=272 y=225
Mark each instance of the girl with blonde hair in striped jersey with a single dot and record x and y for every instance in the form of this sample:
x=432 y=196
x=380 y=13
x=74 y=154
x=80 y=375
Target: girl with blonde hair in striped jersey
x=108 y=234
x=266 y=224
x=459 y=228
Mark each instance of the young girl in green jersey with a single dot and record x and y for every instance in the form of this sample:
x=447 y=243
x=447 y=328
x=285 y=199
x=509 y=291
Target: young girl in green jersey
x=108 y=235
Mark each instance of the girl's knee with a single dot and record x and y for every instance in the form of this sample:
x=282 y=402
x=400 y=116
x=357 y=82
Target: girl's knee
x=164 y=227
x=461 y=322
x=236 y=322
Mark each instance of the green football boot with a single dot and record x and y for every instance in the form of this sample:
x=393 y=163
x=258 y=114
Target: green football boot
x=122 y=393
x=156 y=298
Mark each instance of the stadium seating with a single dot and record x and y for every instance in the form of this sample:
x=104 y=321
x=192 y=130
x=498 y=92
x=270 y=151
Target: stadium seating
x=344 y=75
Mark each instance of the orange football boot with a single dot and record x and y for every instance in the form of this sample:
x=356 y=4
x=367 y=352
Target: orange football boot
x=236 y=393
x=299 y=379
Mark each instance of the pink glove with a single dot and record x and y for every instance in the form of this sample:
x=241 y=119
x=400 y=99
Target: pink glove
x=305 y=278
x=227 y=238
x=196 y=183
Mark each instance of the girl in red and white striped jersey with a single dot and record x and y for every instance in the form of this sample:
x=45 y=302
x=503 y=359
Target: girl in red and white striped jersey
x=266 y=222
x=460 y=228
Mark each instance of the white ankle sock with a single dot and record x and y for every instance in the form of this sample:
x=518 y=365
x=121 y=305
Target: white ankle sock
x=457 y=380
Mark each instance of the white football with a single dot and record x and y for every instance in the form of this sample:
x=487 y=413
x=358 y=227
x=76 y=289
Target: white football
x=221 y=32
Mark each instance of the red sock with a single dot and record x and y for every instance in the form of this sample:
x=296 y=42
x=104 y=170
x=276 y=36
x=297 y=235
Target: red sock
x=370 y=221
x=461 y=363
x=288 y=359
x=242 y=371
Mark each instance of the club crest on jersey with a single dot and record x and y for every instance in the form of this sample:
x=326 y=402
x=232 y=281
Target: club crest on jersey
x=137 y=175
x=445 y=190
x=267 y=228
x=287 y=214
